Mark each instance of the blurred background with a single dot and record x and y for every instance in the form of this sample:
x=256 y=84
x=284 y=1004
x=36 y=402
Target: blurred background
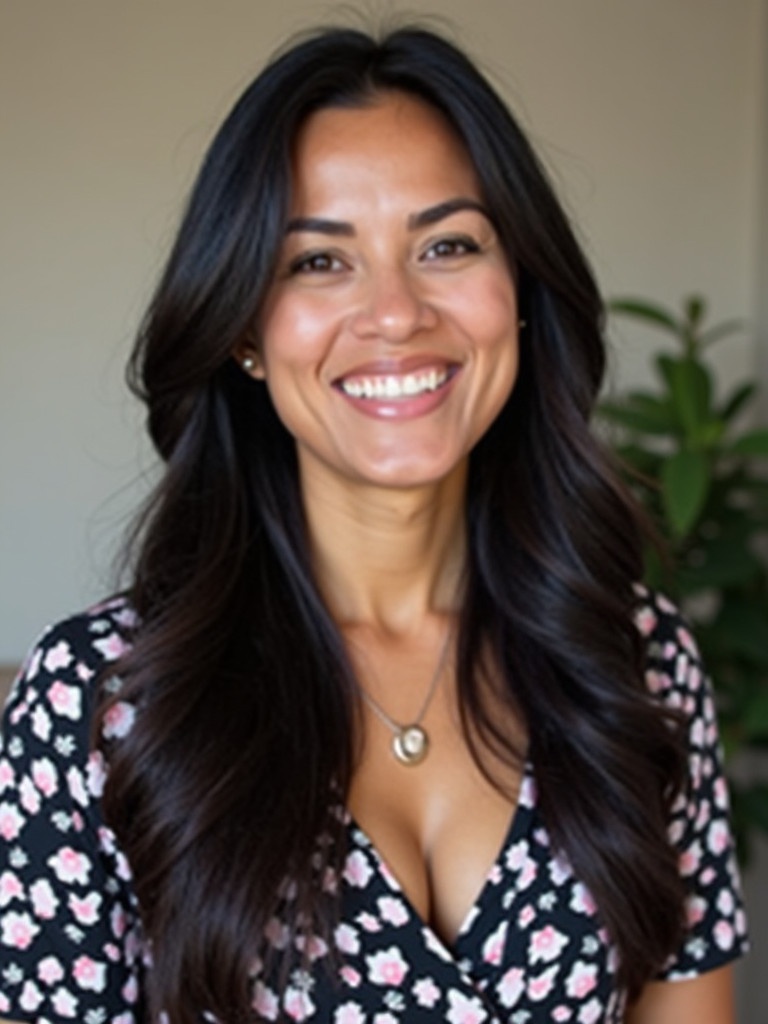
x=651 y=116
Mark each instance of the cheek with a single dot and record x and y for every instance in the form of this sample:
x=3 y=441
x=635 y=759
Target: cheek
x=295 y=333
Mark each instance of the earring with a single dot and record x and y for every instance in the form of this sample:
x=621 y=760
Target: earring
x=249 y=363
x=522 y=324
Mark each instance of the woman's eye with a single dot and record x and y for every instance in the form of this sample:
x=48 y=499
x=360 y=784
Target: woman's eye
x=316 y=263
x=447 y=247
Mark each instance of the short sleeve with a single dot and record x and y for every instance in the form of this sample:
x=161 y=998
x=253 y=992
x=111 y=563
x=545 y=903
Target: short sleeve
x=716 y=924
x=70 y=941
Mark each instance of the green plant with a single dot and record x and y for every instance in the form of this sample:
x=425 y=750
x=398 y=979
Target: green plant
x=702 y=478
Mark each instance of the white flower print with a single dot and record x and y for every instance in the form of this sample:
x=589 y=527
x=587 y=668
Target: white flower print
x=10 y=888
x=58 y=657
x=511 y=986
x=45 y=776
x=11 y=822
x=387 y=967
x=357 y=870
x=392 y=910
x=118 y=720
x=112 y=646
x=493 y=947
x=546 y=944
x=426 y=992
x=541 y=985
x=581 y=980
x=590 y=1013
x=86 y=910
x=298 y=1004
x=65 y=700
x=347 y=939
x=44 y=899
x=464 y=1009
x=41 y=723
x=349 y=1013
x=64 y=1003
x=350 y=976
x=50 y=971
x=70 y=866
x=89 y=974
x=18 y=930
x=31 y=997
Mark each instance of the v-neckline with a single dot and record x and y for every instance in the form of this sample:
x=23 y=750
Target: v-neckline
x=474 y=913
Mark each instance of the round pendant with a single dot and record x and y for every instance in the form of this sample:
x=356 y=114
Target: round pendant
x=410 y=745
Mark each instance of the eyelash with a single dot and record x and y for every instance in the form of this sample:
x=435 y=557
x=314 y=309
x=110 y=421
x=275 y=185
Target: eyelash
x=459 y=245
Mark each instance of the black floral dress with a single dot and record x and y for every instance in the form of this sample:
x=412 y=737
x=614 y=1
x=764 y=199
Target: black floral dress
x=531 y=949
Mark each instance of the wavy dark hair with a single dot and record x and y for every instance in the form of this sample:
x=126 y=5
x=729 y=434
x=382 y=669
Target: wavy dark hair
x=226 y=789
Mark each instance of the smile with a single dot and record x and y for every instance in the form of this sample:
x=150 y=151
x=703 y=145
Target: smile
x=394 y=386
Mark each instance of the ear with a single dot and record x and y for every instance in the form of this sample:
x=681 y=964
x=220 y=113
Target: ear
x=248 y=358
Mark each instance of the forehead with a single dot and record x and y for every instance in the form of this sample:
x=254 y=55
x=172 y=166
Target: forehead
x=396 y=144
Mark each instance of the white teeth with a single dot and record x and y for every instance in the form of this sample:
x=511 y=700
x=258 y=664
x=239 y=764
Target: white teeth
x=394 y=387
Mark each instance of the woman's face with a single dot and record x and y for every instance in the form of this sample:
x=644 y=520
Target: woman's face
x=389 y=338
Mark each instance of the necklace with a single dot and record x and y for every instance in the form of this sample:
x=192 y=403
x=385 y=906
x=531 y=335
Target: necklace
x=410 y=742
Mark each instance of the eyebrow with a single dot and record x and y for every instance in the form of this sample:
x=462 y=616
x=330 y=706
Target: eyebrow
x=424 y=218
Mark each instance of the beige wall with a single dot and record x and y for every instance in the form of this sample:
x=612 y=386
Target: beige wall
x=648 y=113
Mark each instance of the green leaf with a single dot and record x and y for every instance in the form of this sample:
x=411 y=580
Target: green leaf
x=695 y=308
x=648 y=311
x=720 y=331
x=737 y=400
x=690 y=387
x=755 y=714
x=753 y=443
x=742 y=628
x=685 y=480
x=641 y=418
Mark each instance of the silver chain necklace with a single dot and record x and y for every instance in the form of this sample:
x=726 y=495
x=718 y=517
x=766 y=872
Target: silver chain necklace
x=410 y=742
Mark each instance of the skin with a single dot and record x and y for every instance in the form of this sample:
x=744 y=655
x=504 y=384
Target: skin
x=362 y=284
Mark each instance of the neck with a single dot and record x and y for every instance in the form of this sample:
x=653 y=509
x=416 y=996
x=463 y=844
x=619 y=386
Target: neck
x=385 y=558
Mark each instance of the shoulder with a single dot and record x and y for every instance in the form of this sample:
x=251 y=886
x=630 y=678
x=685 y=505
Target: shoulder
x=673 y=666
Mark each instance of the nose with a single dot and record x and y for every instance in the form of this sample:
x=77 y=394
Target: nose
x=392 y=307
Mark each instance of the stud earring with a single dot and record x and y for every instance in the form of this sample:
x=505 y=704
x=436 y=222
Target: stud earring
x=249 y=363
x=522 y=324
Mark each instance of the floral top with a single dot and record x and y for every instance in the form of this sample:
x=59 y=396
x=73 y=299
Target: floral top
x=531 y=949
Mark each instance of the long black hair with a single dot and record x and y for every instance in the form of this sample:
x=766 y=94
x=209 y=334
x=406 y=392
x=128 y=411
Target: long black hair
x=225 y=794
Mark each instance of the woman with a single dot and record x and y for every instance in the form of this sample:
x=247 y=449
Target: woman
x=383 y=728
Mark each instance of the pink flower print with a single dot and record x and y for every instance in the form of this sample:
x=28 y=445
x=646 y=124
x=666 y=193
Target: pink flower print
x=347 y=939
x=297 y=1004
x=695 y=909
x=385 y=1018
x=57 y=657
x=511 y=987
x=49 y=970
x=29 y=796
x=350 y=976
x=646 y=620
x=559 y=870
x=349 y=1013
x=64 y=1003
x=724 y=935
x=686 y=641
x=112 y=646
x=44 y=900
x=726 y=903
x=392 y=910
x=493 y=947
x=718 y=837
x=581 y=980
x=45 y=776
x=387 y=967
x=314 y=946
x=89 y=974
x=591 y=1012
x=527 y=795
x=18 y=930
x=41 y=723
x=516 y=855
x=426 y=992
x=581 y=900
x=561 y=1014
x=10 y=888
x=7 y=775
x=65 y=700
x=76 y=786
x=83 y=673
x=464 y=1010
x=368 y=922
x=526 y=915
x=528 y=874
x=357 y=870
x=95 y=774
x=546 y=944
x=30 y=997
x=70 y=866
x=86 y=910
x=118 y=721
x=539 y=987
x=130 y=990
x=10 y=822
x=690 y=859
